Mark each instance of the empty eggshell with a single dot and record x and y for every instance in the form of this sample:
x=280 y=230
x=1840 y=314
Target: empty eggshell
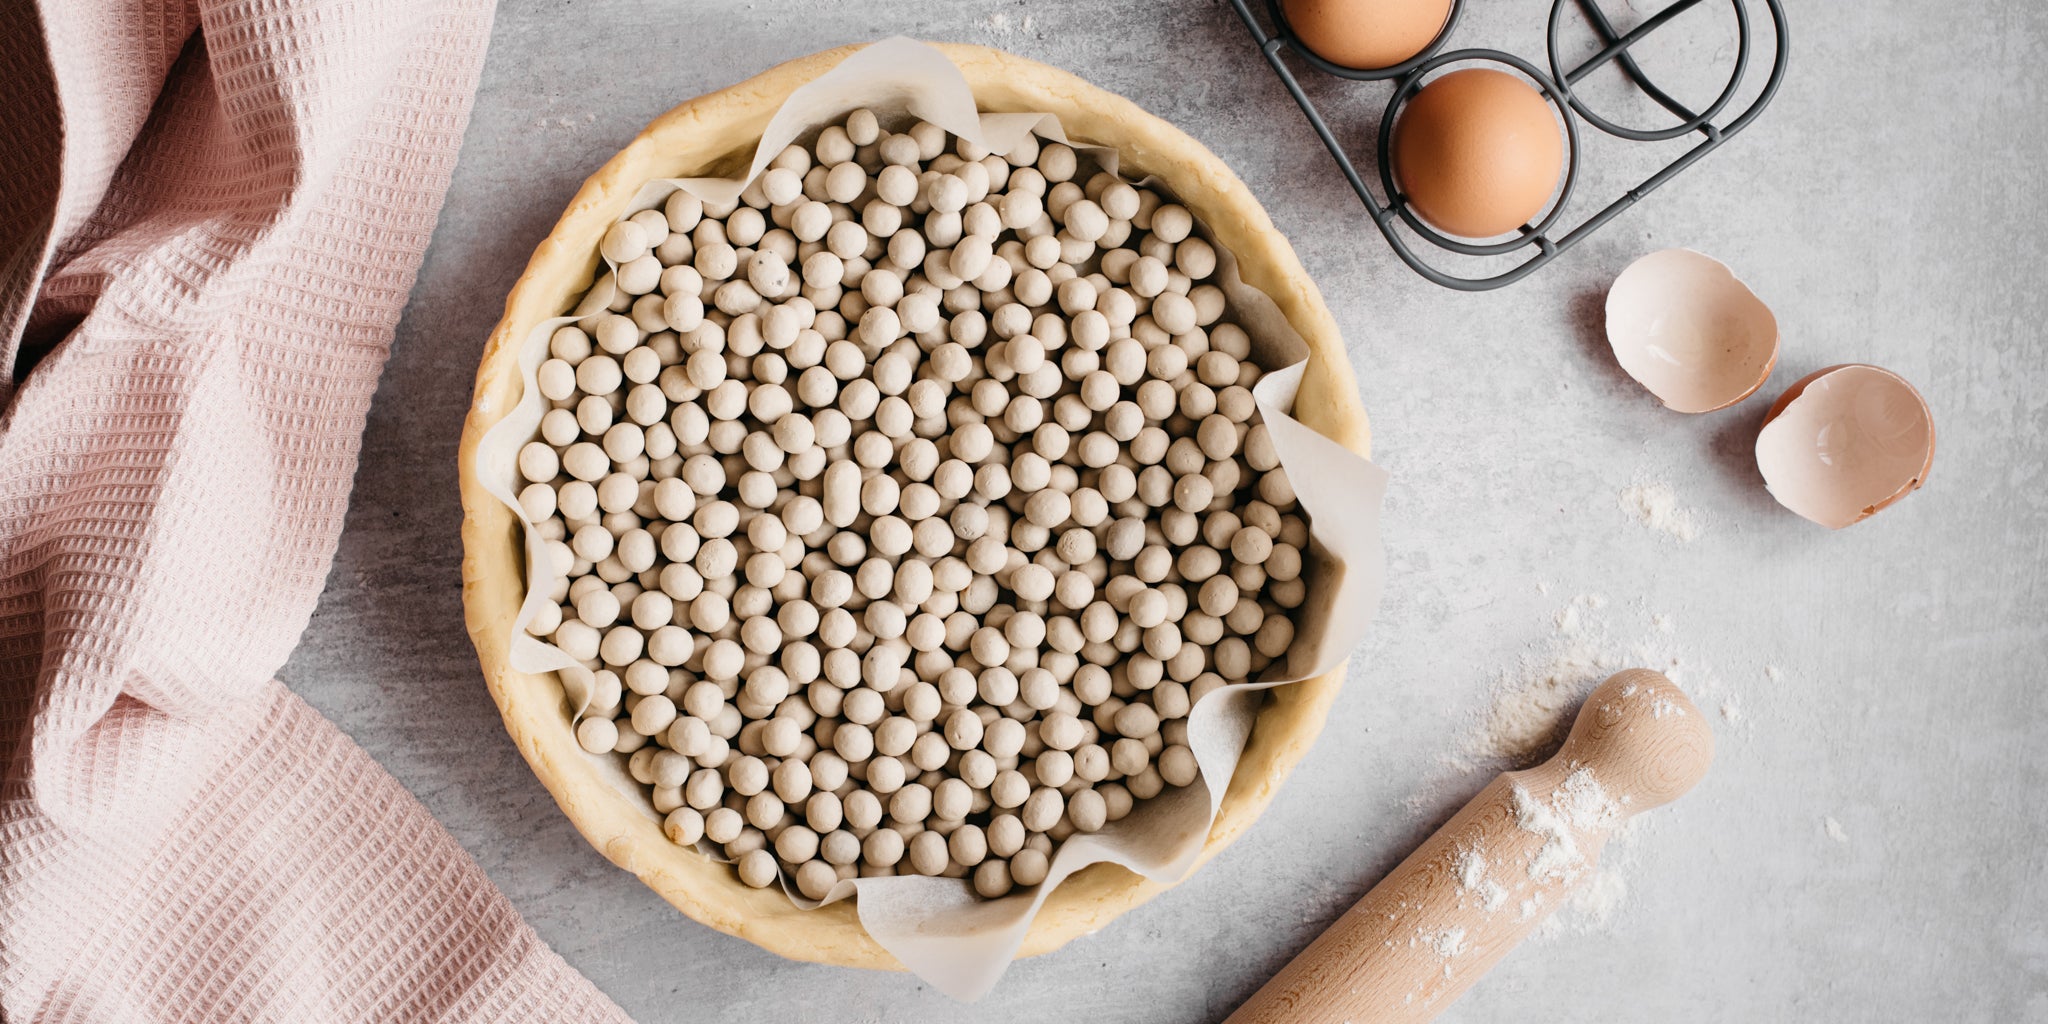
x=1846 y=442
x=1685 y=327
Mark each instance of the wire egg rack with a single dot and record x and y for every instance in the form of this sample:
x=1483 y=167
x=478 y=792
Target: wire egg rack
x=1276 y=39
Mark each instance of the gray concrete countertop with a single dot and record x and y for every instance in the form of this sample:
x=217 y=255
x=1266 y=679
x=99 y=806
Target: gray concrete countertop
x=1888 y=677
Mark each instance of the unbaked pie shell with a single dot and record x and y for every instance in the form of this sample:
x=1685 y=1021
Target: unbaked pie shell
x=715 y=135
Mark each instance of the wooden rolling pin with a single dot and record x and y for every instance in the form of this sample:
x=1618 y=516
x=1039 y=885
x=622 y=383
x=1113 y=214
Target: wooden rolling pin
x=1485 y=880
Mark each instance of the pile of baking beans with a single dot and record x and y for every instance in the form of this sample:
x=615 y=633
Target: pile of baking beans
x=901 y=510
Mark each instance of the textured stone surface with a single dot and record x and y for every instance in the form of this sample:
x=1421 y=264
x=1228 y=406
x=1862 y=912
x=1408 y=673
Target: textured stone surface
x=1888 y=207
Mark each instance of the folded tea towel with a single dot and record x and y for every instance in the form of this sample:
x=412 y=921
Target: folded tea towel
x=211 y=212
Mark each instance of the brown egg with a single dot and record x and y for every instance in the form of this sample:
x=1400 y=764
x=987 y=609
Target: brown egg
x=1478 y=152
x=1366 y=34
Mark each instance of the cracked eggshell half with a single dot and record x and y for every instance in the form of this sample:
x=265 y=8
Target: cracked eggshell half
x=1846 y=442
x=1685 y=327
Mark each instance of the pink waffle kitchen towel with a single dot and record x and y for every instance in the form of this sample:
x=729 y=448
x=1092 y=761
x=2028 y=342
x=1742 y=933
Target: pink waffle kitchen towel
x=210 y=214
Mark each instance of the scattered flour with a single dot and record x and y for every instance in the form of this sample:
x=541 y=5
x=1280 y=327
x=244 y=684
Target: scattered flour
x=1000 y=24
x=1595 y=903
x=1774 y=673
x=1532 y=707
x=1492 y=895
x=1534 y=703
x=1655 y=505
x=1558 y=857
x=1584 y=803
x=1731 y=708
x=1835 y=830
x=1449 y=943
x=1471 y=867
x=565 y=123
x=1579 y=805
x=1325 y=901
x=1591 y=907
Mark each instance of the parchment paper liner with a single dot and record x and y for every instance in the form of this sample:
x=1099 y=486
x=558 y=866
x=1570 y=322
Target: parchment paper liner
x=938 y=927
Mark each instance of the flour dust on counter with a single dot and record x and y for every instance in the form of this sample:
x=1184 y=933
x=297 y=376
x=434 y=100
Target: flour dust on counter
x=1731 y=709
x=1002 y=24
x=1532 y=704
x=1582 y=804
x=1655 y=505
x=1530 y=707
x=1597 y=900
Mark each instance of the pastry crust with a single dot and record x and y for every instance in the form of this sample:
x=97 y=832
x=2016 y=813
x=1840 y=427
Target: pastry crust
x=715 y=135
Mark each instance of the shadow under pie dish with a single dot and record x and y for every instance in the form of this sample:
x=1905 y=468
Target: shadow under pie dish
x=715 y=135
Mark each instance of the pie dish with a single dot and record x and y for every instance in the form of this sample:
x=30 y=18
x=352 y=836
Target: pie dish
x=715 y=135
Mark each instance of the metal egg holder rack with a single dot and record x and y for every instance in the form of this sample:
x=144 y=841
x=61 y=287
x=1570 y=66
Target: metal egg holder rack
x=1557 y=87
